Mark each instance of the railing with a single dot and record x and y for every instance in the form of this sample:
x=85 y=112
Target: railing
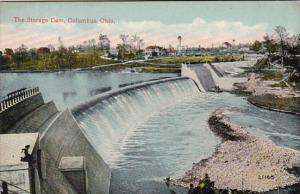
x=17 y=96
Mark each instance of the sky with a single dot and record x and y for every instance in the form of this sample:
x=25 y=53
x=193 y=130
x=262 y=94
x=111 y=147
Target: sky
x=158 y=23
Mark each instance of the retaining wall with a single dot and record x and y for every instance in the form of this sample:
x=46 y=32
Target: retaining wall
x=200 y=74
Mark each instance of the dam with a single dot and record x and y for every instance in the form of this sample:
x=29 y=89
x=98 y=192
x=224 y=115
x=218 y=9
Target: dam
x=151 y=130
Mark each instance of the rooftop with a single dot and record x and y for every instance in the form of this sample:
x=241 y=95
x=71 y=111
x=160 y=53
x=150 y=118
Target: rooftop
x=154 y=47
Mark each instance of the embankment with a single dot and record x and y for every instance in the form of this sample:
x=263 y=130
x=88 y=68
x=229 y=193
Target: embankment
x=243 y=161
x=276 y=103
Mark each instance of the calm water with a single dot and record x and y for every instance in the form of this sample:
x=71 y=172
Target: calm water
x=148 y=134
x=69 y=88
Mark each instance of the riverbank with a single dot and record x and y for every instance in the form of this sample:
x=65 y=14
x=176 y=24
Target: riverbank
x=267 y=89
x=289 y=105
x=243 y=161
x=92 y=61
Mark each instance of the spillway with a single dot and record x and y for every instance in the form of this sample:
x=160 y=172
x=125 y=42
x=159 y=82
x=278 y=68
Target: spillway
x=110 y=121
x=150 y=131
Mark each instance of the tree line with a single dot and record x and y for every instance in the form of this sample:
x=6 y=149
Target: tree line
x=88 y=53
x=280 y=44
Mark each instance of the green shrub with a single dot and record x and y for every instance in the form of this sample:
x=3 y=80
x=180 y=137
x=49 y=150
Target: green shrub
x=272 y=75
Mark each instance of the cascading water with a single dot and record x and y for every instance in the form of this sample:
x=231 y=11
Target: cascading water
x=151 y=132
x=111 y=121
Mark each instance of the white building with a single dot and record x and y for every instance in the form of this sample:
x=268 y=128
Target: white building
x=154 y=51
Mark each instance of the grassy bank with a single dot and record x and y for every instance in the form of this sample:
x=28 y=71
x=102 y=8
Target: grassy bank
x=274 y=102
x=197 y=59
x=53 y=61
x=271 y=75
x=143 y=67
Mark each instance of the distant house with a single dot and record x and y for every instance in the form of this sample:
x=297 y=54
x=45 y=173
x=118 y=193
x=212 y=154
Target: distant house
x=155 y=51
x=78 y=50
x=43 y=50
x=171 y=52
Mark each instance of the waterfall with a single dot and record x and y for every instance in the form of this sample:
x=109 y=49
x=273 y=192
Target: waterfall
x=110 y=121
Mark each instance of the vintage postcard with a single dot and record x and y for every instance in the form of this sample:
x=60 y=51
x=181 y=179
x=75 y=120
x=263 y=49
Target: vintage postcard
x=152 y=97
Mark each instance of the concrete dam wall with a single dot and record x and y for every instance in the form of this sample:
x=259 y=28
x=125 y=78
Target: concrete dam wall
x=76 y=110
x=201 y=74
x=18 y=110
x=71 y=164
x=221 y=74
x=64 y=138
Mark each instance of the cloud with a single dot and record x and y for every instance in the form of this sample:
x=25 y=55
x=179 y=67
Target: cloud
x=197 y=32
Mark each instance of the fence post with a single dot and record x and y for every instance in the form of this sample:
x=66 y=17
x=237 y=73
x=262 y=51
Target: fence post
x=14 y=98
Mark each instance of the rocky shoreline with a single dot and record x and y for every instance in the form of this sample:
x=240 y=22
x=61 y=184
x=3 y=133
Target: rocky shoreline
x=243 y=161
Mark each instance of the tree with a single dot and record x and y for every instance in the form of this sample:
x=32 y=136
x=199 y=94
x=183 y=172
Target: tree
x=293 y=45
x=8 y=52
x=227 y=44
x=256 y=46
x=71 y=57
x=20 y=55
x=104 y=42
x=92 y=44
x=270 y=44
x=121 y=51
x=32 y=53
x=282 y=36
x=125 y=39
x=61 y=52
x=3 y=61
